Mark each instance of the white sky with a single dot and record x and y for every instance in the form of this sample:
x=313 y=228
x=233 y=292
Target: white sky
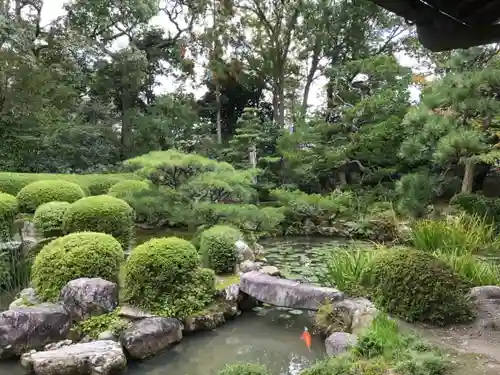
x=53 y=9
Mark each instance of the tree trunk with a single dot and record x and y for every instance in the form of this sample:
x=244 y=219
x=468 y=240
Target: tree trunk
x=309 y=81
x=468 y=181
x=219 y=117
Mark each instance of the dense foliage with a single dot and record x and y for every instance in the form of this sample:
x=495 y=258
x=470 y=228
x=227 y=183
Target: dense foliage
x=8 y=212
x=165 y=275
x=218 y=249
x=101 y=213
x=48 y=218
x=417 y=286
x=85 y=254
x=33 y=195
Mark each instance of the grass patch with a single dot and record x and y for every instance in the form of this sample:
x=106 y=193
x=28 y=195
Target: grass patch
x=223 y=281
x=461 y=235
x=384 y=349
x=347 y=270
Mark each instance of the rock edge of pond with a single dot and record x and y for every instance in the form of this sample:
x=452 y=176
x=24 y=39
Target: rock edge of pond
x=39 y=334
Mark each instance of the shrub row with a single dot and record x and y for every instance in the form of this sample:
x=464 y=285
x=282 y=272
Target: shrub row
x=479 y=205
x=92 y=184
x=163 y=275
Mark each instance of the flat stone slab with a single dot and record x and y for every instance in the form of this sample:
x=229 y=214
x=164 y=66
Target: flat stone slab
x=98 y=357
x=286 y=293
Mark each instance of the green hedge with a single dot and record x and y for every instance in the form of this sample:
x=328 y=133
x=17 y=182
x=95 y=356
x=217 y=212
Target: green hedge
x=164 y=275
x=217 y=247
x=48 y=218
x=418 y=287
x=85 y=254
x=8 y=212
x=39 y=192
x=92 y=184
x=101 y=213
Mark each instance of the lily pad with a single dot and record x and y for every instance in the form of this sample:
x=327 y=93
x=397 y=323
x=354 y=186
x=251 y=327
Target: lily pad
x=296 y=312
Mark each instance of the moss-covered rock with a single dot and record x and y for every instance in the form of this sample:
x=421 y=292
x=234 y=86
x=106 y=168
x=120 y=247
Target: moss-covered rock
x=48 y=218
x=8 y=212
x=217 y=247
x=416 y=286
x=33 y=195
x=164 y=276
x=104 y=214
x=85 y=254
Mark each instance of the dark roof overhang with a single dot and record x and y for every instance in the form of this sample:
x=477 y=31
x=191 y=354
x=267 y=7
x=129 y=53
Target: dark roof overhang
x=449 y=24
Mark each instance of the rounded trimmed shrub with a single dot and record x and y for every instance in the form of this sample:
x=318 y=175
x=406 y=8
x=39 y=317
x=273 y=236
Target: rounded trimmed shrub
x=39 y=192
x=8 y=212
x=84 y=254
x=48 y=218
x=217 y=247
x=159 y=268
x=417 y=286
x=243 y=369
x=101 y=213
x=128 y=187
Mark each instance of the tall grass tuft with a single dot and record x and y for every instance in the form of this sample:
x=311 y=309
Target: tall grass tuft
x=462 y=235
x=15 y=269
x=347 y=270
x=477 y=271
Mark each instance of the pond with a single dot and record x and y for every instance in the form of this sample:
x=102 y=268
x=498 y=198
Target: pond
x=270 y=337
x=296 y=257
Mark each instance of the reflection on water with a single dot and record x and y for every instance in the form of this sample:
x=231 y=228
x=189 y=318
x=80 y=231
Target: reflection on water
x=270 y=337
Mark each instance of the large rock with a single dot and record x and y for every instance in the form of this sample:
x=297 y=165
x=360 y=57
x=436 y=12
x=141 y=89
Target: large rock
x=286 y=293
x=86 y=297
x=339 y=342
x=104 y=357
x=26 y=297
x=243 y=251
x=486 y=300
x=357 y=312
x=149 y=336
x=26 y=328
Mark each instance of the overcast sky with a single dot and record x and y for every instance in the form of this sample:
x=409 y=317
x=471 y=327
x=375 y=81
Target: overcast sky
x=53 y=9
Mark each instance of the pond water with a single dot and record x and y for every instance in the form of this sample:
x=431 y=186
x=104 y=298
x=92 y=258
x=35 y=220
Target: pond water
x=270 y=337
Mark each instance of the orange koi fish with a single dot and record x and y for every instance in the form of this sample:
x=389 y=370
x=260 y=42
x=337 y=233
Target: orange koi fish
x=306 y=336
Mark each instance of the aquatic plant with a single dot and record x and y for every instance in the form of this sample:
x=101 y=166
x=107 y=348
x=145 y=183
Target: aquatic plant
x=463 y=234
x=244 y=369
x=349 y=270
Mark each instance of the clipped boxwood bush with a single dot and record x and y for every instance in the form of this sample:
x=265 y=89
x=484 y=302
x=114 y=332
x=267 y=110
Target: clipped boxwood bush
x=101 y=213
x=217 y=248
x=85 y=254
x=92 y=184
x=48 y=218
x=8 y=212
x=37 y=193
x=164 y=275
x=416 y=286
x=128 y=187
